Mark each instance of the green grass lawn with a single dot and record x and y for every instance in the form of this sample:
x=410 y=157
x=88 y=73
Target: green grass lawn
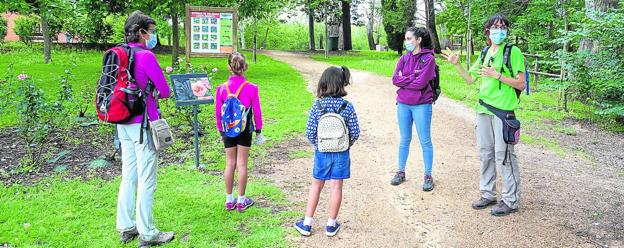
x=73 y=213
x=534 y=109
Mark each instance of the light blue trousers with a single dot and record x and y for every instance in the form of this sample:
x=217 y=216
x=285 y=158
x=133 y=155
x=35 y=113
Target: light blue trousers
x=420 y=115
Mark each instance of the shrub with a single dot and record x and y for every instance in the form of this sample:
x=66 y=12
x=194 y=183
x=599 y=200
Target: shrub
x=25 y=28
x=3 y=29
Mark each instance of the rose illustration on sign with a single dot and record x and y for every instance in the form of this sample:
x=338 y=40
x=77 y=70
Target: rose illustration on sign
x=201 y=89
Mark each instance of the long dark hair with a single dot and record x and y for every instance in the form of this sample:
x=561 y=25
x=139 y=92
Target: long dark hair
x=136 y=22
x=423 y=33
x=333 y=82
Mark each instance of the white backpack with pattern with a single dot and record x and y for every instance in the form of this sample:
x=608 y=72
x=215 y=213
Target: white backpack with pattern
x=332 y=132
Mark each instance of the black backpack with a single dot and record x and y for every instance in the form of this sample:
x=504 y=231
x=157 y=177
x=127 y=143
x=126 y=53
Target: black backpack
x=435 y=84
x=507 y=63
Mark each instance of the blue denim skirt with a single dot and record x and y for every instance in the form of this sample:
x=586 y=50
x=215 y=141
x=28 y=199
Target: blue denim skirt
x=332 y=165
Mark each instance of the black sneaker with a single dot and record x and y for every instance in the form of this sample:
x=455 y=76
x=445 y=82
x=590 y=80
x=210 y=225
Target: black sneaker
x=128 y=235
x=398 y=178
x=161 y=238
x=483 y=203
x=502 y=209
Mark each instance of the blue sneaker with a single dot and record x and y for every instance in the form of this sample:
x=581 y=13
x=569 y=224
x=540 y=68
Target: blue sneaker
x=303 y=229
x=242 y=206
x=332 y=230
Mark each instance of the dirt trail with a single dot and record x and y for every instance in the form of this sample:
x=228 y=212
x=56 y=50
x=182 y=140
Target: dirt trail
x=565 y=201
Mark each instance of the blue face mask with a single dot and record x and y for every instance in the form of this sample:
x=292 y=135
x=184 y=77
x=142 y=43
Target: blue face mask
x=497 y=36
x=151 y=43
x=409 y=46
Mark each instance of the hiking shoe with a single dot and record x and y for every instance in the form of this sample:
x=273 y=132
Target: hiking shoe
x=229 y=206
x=502 y=209
x=428 y=184
x=398 y=178
x=303 y=229
x=128 y=235
x=483 y=203
x=242 y=206
x=161 y=238
x=332 y=230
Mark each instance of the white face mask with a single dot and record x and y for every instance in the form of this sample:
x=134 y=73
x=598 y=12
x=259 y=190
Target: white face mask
x=497 y=36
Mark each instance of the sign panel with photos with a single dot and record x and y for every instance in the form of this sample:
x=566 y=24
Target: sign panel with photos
x=211 y=32
x=191 y=89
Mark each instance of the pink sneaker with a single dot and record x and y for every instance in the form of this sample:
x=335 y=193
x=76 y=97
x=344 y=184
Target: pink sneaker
x=229 y=206
x=245 y=205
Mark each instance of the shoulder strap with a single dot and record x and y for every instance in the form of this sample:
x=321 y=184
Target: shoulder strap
x=240 y=88
x=131 y=51
x=483 y=54
x=512 y=72
x=227 y=88
x=507 y=58
x=343 y=106
x=317 y=103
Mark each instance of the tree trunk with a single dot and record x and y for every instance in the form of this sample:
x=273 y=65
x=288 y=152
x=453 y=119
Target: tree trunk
x=432 y=26
x=400 y=50
x=255 y=39
x=340 y=38
x=241 y=27
x=176 y=37
x=326 y=40
x=468 y=38
x=445 y=37
x=311 y=25
x=47 y=40
x=370 y=25
x=565 y=50
x=266 y=36
x=346 y=25
x=591 y=7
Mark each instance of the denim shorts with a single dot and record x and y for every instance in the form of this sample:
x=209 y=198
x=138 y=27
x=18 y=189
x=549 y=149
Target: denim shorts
x=331 y=165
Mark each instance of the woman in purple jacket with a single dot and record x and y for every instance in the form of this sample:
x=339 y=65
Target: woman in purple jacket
x=140 y=159
x=414 y=98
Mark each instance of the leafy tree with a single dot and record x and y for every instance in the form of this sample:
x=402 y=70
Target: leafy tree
x=397 y=17
x=256 y=10
x=52 y=14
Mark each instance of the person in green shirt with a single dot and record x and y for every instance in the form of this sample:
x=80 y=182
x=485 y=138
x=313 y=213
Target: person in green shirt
x=499 y=88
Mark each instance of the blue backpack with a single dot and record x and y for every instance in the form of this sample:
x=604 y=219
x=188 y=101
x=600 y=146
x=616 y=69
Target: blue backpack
x=234 y=113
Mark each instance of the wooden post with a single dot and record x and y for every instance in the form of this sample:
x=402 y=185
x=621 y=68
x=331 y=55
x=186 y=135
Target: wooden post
x=326 y=37
x=468 y=38
x=187 y=31
x=535 y=77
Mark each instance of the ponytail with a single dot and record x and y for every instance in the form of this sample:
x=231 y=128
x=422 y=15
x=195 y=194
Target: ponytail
x=346 y=75
x=237 y=63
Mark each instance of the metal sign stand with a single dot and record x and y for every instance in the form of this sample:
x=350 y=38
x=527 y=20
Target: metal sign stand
x=196 y=130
